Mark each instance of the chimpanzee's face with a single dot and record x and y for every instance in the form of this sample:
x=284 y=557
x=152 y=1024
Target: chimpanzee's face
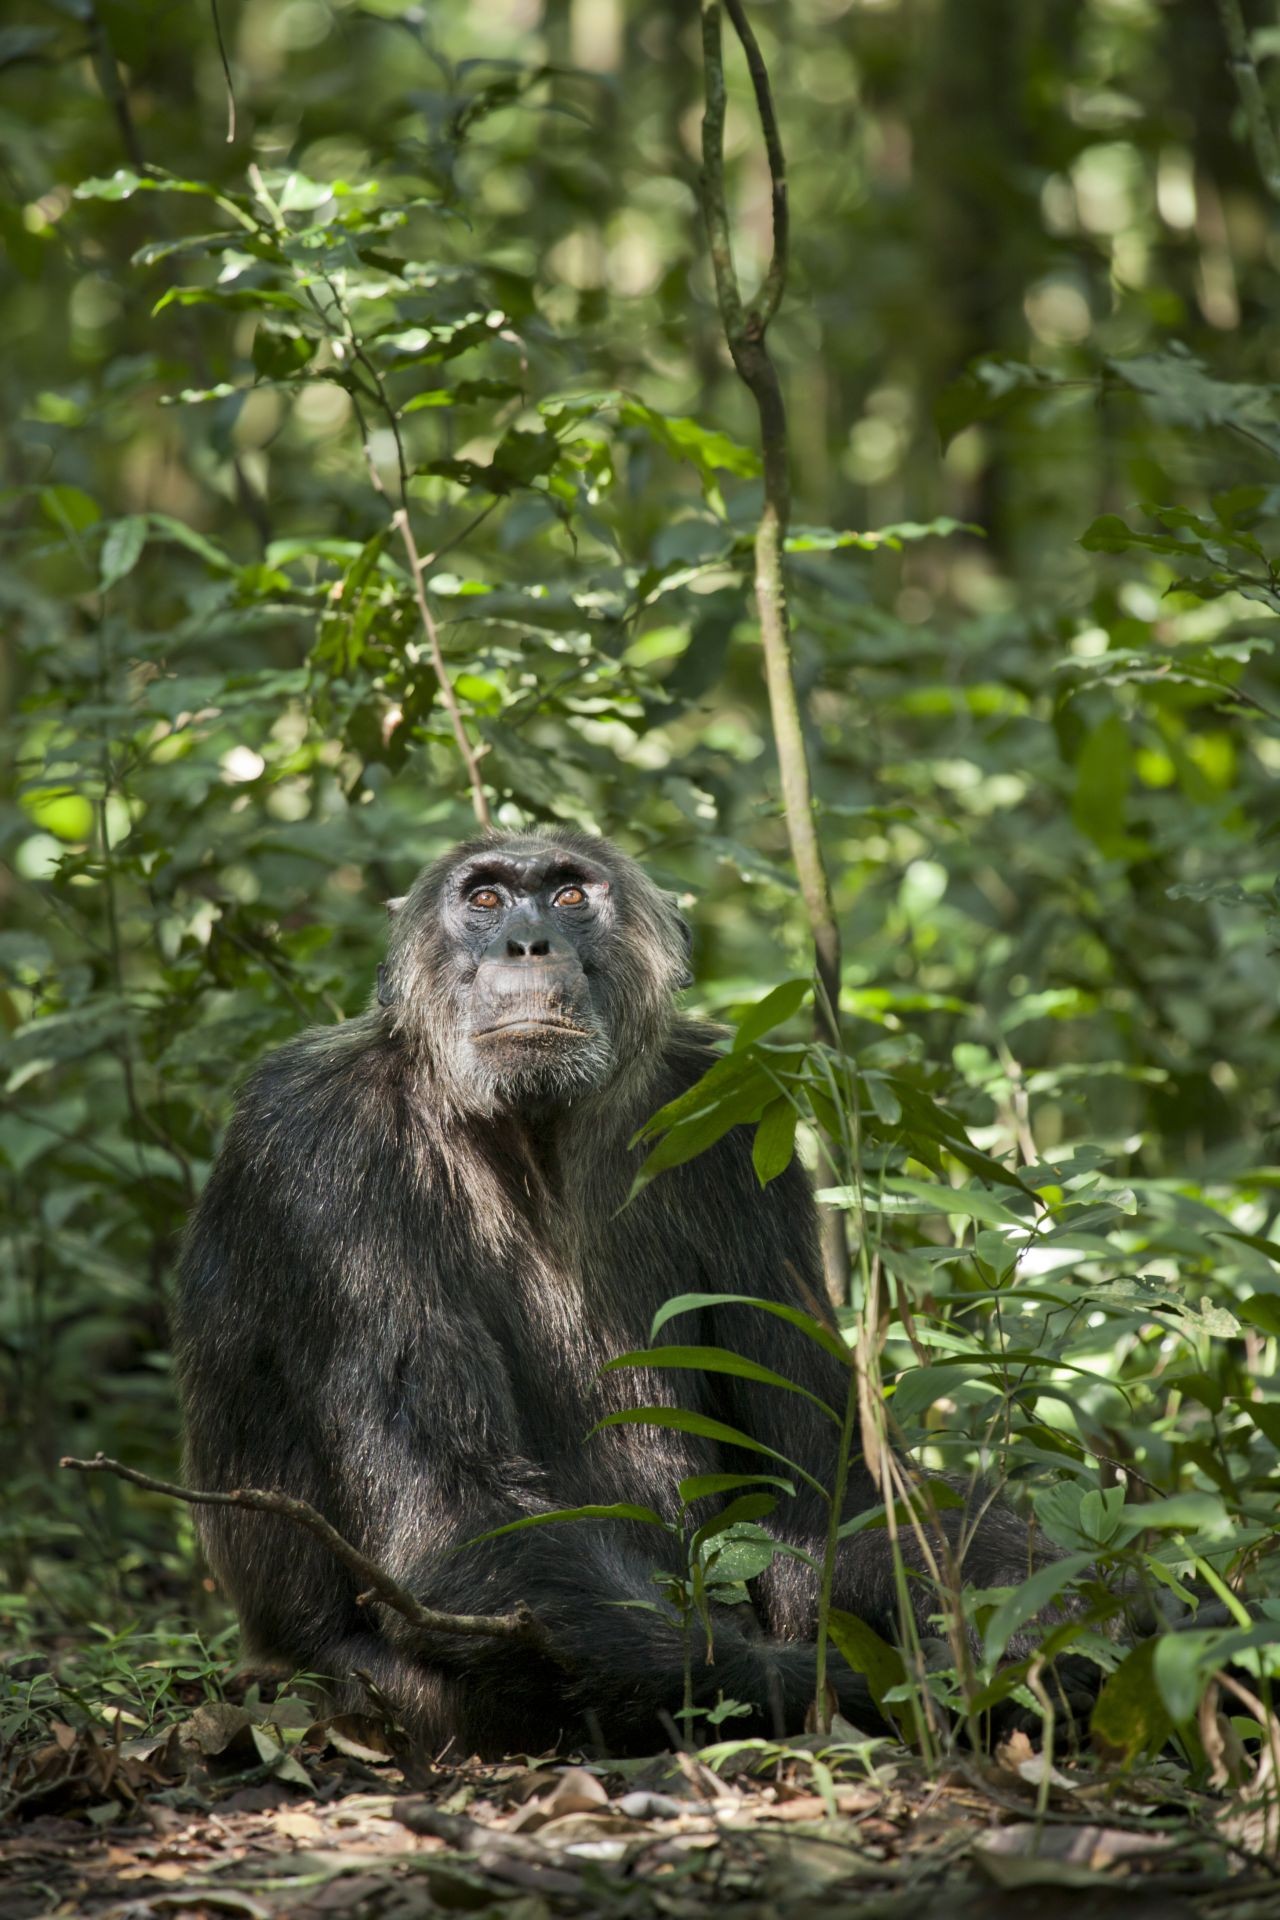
x=530 y=967
x=529 y=928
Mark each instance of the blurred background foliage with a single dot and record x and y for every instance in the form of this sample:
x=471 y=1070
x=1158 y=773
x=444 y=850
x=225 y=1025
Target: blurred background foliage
x=1031 y=325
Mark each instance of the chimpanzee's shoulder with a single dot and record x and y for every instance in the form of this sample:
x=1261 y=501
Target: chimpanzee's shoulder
x=693 y=1047
x=320 y=1056
x=324 y=1084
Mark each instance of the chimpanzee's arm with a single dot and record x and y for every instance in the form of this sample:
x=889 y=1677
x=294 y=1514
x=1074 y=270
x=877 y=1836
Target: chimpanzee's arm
x=319 y=1357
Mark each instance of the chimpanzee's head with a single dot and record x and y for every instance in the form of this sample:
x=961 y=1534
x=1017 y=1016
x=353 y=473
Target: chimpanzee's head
x=533 y=966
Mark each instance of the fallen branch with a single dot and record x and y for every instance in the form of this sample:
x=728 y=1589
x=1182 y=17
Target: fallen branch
x=520 y=1625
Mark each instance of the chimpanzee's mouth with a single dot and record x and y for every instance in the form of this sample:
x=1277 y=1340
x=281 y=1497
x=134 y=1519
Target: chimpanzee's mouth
x=533 y=1024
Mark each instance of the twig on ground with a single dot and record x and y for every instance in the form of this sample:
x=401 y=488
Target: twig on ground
x=521 y=1624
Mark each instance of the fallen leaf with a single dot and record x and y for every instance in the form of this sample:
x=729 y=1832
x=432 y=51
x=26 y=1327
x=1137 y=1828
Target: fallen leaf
x=218 y=1899
x=601 y=1824
x=348 y=1892
x=211 y=1729
x=1022 y=1856
x=295 y=1824
x=641 y=1805
x=290 y=1711
x=168 y=1870
x=360 y=1737
x=577 y=1791
x=526 y=1783
x=810 y=1806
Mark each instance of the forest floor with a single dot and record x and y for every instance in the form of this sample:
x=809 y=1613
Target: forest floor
x=261 y=1810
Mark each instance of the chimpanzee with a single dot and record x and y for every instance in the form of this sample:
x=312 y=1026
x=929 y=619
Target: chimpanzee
x=408 y=1267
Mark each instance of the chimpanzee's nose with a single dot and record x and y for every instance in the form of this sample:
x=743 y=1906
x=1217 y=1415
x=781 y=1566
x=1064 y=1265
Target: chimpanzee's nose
x=528 y=939
x=530 y=946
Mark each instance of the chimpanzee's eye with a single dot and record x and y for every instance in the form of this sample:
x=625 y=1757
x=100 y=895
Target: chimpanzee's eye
x=485 y=897
x=570 y=897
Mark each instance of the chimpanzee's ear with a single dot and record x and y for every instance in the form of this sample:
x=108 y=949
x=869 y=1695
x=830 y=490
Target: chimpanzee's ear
x=686 y=935
x=386 y=993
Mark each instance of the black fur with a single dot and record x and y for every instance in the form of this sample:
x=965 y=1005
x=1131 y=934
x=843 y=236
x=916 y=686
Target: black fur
x=398 y=1290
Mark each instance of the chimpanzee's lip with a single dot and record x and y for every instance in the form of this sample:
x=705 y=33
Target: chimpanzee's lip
x=528 y=1022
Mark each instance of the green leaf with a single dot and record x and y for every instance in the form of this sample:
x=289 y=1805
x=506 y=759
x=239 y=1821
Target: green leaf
x=278 y=356
x=621 y=1510
x=884 y=1101
x=1201 y=1514
x=518 y=460
x=124 y=183
x=466 y=393
x=775 y=1140
x=1058 y=1510
x=822 y=1335
x=716 y=1360
x=580 y=406
x=1262 y=1310
x=300 y=195
x=1186 y=1661
x=692 y=1137
x=1109 y=534
x=987 y=388
x=863 y=1651
x=1103 y=769
x=231 y=299
x=154 y=251
x=704 y=447
x=920 y=1386
x=1129 y=1717
x=419 y=346
x=70 y=508
x=927 y=1119
x=1175 y=387
x=120 y=185
x=1183 y=1664
x=683 y=1420
x=121 y=549
x=1265 y=1415
x=971 y=1203
x=827 y=539
x=745 y=1554
x=748 y=1506
x=168 y=528
x=1044 y=1585
x=940 y=1496
x=701 y=1486
x=779 y=1005
x=727 y=1074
